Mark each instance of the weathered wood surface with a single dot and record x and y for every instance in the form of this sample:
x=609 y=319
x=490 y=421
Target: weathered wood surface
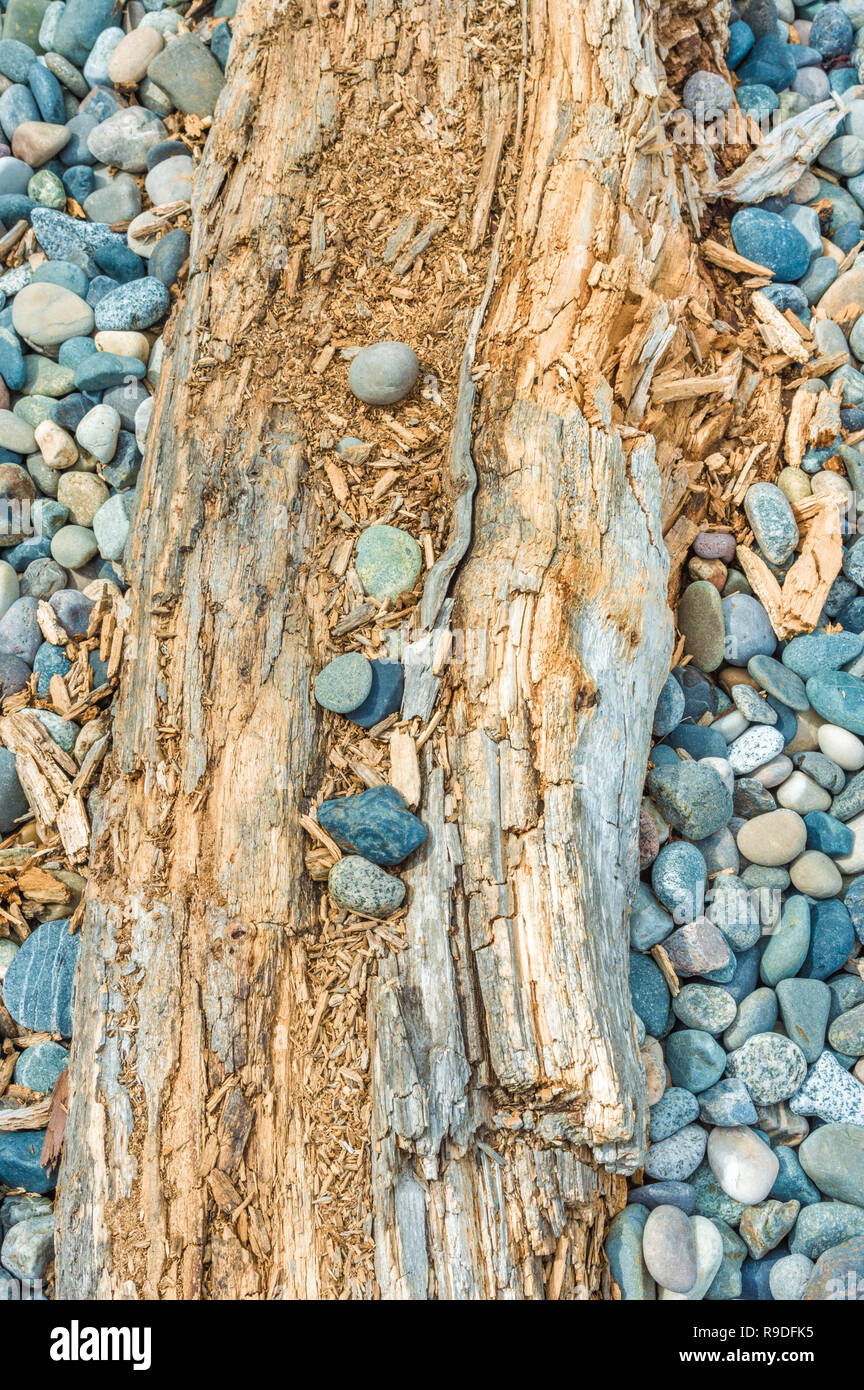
x=512 y=1040
x=507 y=1094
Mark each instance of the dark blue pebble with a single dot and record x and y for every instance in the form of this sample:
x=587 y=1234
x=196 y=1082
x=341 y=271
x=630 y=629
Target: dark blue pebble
x=755 y=1275
x=827 y=833
x=49 y=661
x=169 y=254
x=14 y=673
x=787 y=721
x=20 y=556
x=831 y=939
x=19 y=1162
x=698 y=740
x=16 y=107
x=852 y=418
x=741 y=40
x=76 y=150
x=831 y=33
x=663 y=756
x=70 y=411
x=385 y=696
x=700 y=696
x=100 y=286
x=100 y=103
x=13 y=802
x=376 y=823
x=100 y=370
x=667 y=1194
x=771 y=64
x=115 y=259
x=220 y=44
x=852 y=615
x=79 y=181
x=848 y=236
x=746 y=973
x=15 y=207
x=122 y=471
x=649 y=994
x=792 y=1183
x=166 y=149
x=12 y=368
x=47 y=93
x=784 y=297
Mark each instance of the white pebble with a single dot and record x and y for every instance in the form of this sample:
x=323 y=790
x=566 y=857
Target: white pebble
x=846 y=750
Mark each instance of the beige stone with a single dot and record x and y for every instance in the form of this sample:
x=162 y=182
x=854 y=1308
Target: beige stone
x=38 y=141
x=57 y=448
x=125 y=344
x=131 y=58
x=83 y=493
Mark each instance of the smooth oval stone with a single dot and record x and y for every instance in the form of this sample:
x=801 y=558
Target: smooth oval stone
x=787 y=948
x=675 y=1109
x=709 y=1257
x=719 y=850
x=47 y=315
x=624 y=1253
x=715 y=545
x=135 y=305
x=669 y=1249
x=846 y=1033
x=743 y=1165
x=678 y=879
x=375 y=824
x=831 y=32
x=748 y=630
x=773 y=839
x=698 y=741
x=669 y=710
x=730 y=725
x=169 y=255
x=833 y=1158
x=649 y=993
x=675 y=1194
x=383 y=373
x=39 y=1066
x=706 y=94
x=757 y=1013
x=701 y=623
x=676 y=1157
x=707 y=1007
x=385 y=694
x=824 y=1225
x=387 y=561
x=771 y=517
x=734 y=909
x=691 y=797
x=839 y=698
x=841 y=746
x=769 y=240
x=73 y=546
x=779 y=681
x=815 y=875
x=832 y=938
x=839 y=1273
x=775 y=773
x=39 y=987
x=698 y=948
x=772 y=1067
x=821 y=651
x=755 y=747
x=360 y=886
x=753 y=706
x=695 y=1060
x=727 y=1103
x=189 y=75
x=344 y=683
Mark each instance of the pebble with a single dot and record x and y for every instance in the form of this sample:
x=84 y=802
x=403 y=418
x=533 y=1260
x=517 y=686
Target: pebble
x=765 y=237
x=833 y=1158
x=707 y=1007
x=669 y=1249
x=131 y=57
x=170 y=181
x=375 y=824
x=46 y=315
x=387 y=561
x=701 y=623
x=692 y=798
x=136 y=305
x=765 y=1225
x=111 y=525
x=344 y=683
x=695 y=1060
x=727 y=1103
x=838 y=1273
x=789 y=1278
x=775 y=838
x=189 y=76
x=830 y=1093
x=832 y=938
x=358 y=885
x=804 y=1006
x=748 y=630
x=624 y=1253
x=772 y=1067
x=678 y=879
x=744 y=1167
x=383 y=373
x=815 y=875
x=39 y=1066
x=649 y=993
x=842 y=747
x=769 y=513
x=709 y=1257
x=706 y=94
x=735 y=910
x=39 y=986
x=839 y=698
x=675 y=1194
x=28 y=1248
x=786 y=950
x=755 y=747
x=698 y=948
x=675 y=1158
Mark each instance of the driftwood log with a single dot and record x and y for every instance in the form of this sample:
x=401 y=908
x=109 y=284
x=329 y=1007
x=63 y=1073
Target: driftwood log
x=503 y=1094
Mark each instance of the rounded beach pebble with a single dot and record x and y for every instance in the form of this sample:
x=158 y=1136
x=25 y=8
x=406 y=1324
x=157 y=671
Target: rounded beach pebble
x=344 y=683
x=359 y=885
x=383 y=373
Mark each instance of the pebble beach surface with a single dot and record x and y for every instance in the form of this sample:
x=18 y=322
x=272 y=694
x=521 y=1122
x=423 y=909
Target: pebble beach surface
x=752 y=826
x=104 y=107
